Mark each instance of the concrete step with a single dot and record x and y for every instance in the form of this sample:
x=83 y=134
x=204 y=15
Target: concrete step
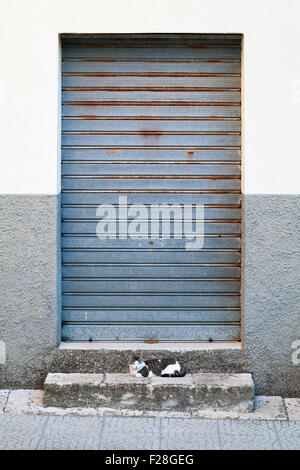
x=200 y=391
x=100 y=357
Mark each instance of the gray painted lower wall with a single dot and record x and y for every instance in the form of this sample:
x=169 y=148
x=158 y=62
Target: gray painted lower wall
x=28 y=287
x=30 y=297
x=271 y=320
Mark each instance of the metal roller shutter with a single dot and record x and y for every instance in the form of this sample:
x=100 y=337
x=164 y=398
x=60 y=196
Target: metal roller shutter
x=155 y=118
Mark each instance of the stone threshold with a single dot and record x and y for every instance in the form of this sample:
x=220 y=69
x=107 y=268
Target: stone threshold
x=165 y=346
x=30 y=402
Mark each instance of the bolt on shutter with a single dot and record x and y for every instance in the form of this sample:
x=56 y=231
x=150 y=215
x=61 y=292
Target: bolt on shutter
x=155 y=118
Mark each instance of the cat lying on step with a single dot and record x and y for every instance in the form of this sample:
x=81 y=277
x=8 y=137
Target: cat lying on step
x=155 y=367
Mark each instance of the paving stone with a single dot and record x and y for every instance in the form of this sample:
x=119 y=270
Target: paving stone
x=24 y=402
x=288 y=434
x=71 y=433
x=130 y=434
x=293 y=408
x=268 y=408
x=118 y=433
x=189 y=434
x=21 y=432
x=248 y=435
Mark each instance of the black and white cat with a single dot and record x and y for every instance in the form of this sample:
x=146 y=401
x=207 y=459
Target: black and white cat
x=138 y=367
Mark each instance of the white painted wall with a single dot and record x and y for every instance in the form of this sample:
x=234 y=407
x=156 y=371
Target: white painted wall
x=29 y=79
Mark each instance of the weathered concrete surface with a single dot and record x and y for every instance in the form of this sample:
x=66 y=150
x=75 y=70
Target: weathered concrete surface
x=77 y=389
x=176 y=394
x=24 y=401
x=270 y=295
x=3 y=399
x=225 y=391
x=194 y=391
x=269 y=408
x=293 y=408
x=124 y=391
x=29 y=288
x=113 y=357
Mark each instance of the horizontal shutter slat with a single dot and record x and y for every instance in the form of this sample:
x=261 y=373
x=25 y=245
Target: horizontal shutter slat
x=139 y=332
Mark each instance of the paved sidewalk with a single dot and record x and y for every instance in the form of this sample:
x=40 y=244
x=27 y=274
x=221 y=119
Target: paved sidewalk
x=117 y=433
x=26 y=424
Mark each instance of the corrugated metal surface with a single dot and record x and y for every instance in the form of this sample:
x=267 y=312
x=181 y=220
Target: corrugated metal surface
x=155 y=118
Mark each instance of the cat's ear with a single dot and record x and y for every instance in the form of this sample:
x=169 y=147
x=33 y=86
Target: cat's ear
x=130 y=357
x=133 y=357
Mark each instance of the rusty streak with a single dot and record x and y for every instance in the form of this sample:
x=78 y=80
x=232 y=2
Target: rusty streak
x=153 y=89
x=148 y=133
x=149 y=103
x=184 y=61
x=149 y=191
x=146 y=45
x=147 y=118
x=151 y=162
x=148 y=147
x=209 y=221
x=170 y=177
x=207 y=206
x=150 y=74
